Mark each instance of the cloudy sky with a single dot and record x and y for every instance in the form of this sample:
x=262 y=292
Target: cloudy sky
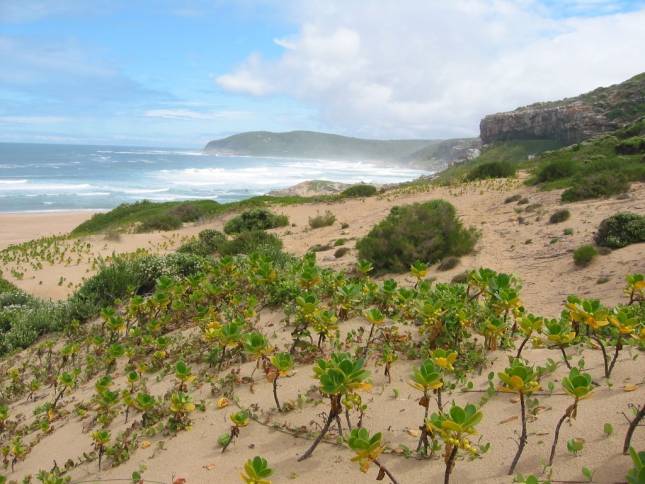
x=179 y=73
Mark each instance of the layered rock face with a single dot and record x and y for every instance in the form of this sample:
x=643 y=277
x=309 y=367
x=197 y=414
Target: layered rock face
x=570 y=124
x=570 y=120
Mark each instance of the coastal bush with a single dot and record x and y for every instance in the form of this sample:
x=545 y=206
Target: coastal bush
x=128 y=214
x=424 y=232
x=631 y=146
x=620 y=230
x=596 y=186
x=360 y=190
x=322 y=220
x=128 y=274
x=493 y=169
x=555 y=170
x=559 y=216
x=251 y=241
x=513 y=198
x=340 y=252
x=255 y=219
x=162 y=221
x=206 y=243
x=448 y=263
x=583 y=255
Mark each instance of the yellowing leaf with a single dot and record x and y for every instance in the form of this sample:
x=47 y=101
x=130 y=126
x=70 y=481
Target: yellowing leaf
x=222 y=402
x=413 y=432
x=630 y=387
x=145 y=444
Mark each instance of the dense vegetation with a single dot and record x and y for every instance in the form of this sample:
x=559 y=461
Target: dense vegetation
x=24 y=318
x=425 y=232
x=255 y=219
x=457 y=326
x=492 y=169
x=516 y=152
x=360 y=190
x=620 y=230
x=148 y=215
x=595 y=168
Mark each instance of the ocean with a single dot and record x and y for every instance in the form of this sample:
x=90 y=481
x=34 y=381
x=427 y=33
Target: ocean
x=40 y=177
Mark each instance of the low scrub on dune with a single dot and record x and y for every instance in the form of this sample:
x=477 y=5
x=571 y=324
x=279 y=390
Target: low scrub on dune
x=600 y=185
x=360 y=190
x=255 y=219
x=493 y=169
x=322 y=220
x=424 y=232
x=148 y=216
x=24 y=318
x=620 y=230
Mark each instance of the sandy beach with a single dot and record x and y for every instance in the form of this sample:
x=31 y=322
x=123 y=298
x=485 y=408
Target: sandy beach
x=21 y=227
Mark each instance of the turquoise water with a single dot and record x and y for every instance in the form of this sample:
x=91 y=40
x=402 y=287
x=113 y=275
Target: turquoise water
x=38 y=177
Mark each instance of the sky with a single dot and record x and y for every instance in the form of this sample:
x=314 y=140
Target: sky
x=180 y=73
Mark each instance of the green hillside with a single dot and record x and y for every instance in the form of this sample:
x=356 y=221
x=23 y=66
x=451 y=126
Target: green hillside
x=310 y=144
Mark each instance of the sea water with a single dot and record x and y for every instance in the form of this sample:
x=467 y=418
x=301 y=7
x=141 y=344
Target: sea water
x=41 y=177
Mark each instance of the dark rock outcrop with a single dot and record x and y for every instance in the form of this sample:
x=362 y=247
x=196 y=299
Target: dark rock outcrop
x=570 y=120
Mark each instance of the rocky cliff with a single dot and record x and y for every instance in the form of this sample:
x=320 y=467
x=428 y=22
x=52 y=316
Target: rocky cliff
x=573 y=119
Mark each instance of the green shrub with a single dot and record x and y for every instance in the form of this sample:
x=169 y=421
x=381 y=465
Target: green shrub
x=128 y=214
x=186 y=212
x=448 y=263
x=461 y=278
x=583 y=255
x=323 y=220
x=513 y=198
x=596 y=186
x=426 y=232
x=620 y=230
x=556 y=170
x=340 y=252
x=631 y=146
x=252 y=241
x=559 y=216
x=360 y=190
x=255 y=219
x=24 y=318
x=162 y=221
x=568 y=231
x=339 y=242
x=206 y=243
x=493 y=169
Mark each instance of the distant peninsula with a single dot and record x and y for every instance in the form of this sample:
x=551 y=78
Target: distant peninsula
x=311 y=144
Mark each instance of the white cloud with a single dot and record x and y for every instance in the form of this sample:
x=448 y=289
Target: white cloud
x=432 y=68
x=190 y=115
x=32 y=119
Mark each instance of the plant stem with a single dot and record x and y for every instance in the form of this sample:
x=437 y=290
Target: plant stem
x=564 y=356
x=275 y=393
x=566 y=415
x=619 y=346
x=523 y=439
x=386 y=471
x=449 y=464
x=369 y=340
x=519 y=350
x=333 y=413
x=632 y=426
x=605 y=359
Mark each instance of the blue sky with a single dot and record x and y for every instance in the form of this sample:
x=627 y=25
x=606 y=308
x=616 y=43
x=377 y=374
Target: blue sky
x=171 y=73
